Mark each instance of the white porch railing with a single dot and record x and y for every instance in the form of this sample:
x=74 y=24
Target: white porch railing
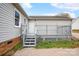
x=23 y=32
x=29 y=40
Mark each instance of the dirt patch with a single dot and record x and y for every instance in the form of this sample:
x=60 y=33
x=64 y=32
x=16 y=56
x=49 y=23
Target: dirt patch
x=75 y=35
x=47 y=52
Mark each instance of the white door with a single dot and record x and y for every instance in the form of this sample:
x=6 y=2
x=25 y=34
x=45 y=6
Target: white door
x=32 y=27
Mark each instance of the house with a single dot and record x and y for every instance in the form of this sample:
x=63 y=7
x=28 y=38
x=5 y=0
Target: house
x=47 y=28
x=16 y=24
x=11 y=18
x=50 y=26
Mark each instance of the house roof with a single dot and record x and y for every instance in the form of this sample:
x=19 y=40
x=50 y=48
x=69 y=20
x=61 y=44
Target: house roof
x=51 y=17
x=17 y=5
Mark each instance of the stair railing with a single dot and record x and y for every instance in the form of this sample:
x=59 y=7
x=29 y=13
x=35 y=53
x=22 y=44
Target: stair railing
x=24 y=32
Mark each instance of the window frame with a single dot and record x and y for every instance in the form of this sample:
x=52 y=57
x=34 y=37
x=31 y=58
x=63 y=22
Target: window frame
x=19 y=18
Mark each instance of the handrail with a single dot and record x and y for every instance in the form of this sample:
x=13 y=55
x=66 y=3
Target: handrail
x=23 y=32
x=25 y=28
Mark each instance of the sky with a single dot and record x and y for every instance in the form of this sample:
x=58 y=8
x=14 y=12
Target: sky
x=51 y=8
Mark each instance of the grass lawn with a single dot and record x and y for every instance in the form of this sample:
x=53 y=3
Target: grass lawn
x=58 y=44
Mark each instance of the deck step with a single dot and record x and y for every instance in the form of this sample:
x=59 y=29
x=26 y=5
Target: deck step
x=30 y=36
x=29 y=42
x=29 y=46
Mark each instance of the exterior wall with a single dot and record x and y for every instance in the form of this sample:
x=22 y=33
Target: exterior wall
x=53 y=22
x=6 y=47
x=8 y=30
x=52 y=26
x=22 y=20
x=62 y=28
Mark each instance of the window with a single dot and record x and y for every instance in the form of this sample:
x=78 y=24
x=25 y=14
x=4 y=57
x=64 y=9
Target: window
x=17 y=17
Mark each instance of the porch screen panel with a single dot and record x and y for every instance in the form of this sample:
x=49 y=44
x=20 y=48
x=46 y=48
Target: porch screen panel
x=66 y=30
x=41 y=30
x=51 y=30
x=60 y=30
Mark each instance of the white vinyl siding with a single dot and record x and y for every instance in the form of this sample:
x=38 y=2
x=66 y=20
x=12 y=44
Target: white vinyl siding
x=7 y=22
x=53 y=22
x=61 y=28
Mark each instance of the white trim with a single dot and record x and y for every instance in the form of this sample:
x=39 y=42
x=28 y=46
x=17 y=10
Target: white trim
x=19 y=19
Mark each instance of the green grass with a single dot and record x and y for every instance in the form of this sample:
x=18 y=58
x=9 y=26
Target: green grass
x=18 y=47
x=58 y=44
